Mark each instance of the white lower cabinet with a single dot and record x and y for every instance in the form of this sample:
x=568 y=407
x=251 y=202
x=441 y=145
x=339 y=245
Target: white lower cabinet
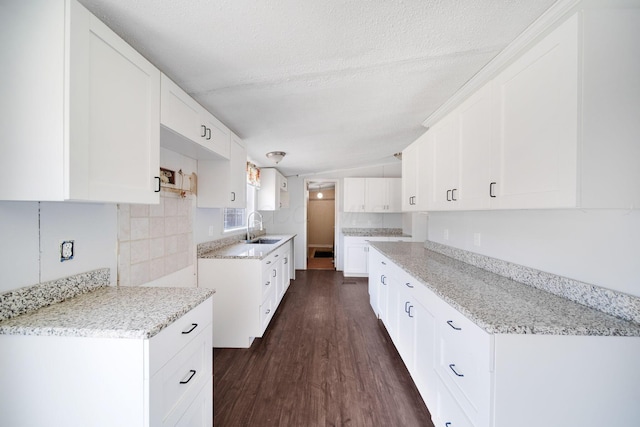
x=248 y=292
x=356 y=253
x=470 y=378
x=80 y=381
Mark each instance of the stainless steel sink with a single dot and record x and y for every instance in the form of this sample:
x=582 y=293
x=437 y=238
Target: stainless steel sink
x=262 y=241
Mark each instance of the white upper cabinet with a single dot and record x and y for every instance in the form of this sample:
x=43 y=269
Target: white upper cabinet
x=354 y=194
x=382 y=195
x=222 y=183
x=474 y=145
x=445 y=166
x=536 y=121
x=417 y=174
x=557 y=128
x=188 y=128
x=273 y=194
x=80 y=108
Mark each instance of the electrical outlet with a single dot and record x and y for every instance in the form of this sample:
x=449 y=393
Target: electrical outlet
x=66 y=250
x=476 y=239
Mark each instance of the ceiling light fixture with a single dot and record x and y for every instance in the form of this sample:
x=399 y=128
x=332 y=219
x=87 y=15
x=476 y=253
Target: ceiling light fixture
x=276 y=156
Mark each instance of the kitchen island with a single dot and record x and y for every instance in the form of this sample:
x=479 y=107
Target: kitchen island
x=108 y=356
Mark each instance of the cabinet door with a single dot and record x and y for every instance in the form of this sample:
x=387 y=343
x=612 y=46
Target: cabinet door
x=114 y=117
x=474 y=161
x=445 y=165
x=394 y=194
x=376 y=195
x=354 y=195
x=238 y=174
x=375 y=272
x=355 y=257
x=536 y=113
x=180 y=112
x=217 y=136
x=405 y=342
x=410 y=176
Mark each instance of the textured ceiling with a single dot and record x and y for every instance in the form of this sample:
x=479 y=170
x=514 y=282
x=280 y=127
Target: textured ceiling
x=337 y=84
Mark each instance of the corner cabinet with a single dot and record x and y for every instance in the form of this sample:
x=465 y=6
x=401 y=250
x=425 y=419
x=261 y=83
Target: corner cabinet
x=88 y=128
x=165 y=380
x=274 y=190
x=222 y=183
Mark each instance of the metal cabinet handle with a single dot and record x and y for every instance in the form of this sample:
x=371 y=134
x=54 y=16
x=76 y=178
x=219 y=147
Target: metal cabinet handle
x=447 y=424
x=233 y=196
x=274 y=273
x=450 y=323
x=448 y=198
x=406 y=310
x=277 y=255
x=208 y=134
x=193 y=326
x=383 y=263
x=192 y=372
x=158 y=187
x=491 y=190
x=268 y=283
x=268 y=262
x=204 y=131
x=409 y=285
x=286 y=260
x=409 y=311
x=268 y=311
x=451 y=365
x=453 y=195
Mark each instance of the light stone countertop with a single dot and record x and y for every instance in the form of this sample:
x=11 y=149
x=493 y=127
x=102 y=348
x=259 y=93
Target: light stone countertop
x=109 y=312
x=247 y=250
x=500 y=305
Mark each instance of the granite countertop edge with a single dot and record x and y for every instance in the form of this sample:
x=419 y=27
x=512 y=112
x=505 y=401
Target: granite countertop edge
x=528 y=311
x=109 y=312
x=373 y=232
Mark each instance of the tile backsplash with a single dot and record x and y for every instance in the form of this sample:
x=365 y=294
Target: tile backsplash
x=155 y=240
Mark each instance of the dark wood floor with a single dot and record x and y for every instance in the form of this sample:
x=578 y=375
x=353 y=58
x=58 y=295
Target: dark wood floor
x=325 y=360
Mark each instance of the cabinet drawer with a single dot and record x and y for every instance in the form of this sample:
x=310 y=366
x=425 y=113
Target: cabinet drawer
x=463 y=360
x=268 y=283
x=180 y=380
x=200 y=412
x=169 y=341
x=447 y=412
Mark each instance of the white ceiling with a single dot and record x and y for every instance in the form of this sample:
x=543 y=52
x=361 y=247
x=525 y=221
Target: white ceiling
x=336 y=84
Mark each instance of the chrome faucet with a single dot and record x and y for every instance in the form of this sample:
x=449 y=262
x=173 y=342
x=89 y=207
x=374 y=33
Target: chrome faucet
x=249 y=236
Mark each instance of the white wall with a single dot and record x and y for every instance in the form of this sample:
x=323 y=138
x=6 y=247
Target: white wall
x=600 y=247
x=31 y=236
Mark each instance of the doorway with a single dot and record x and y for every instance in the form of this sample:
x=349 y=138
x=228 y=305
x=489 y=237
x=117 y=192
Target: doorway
x=321 y=213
